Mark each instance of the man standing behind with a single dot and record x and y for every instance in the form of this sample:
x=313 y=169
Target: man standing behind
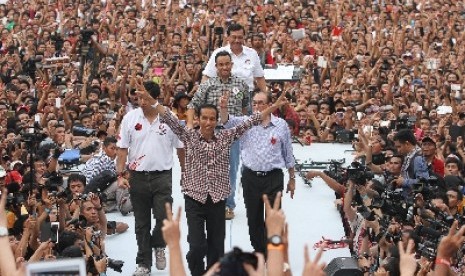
x=246 y=61
x=414 y=166
x=205 y=182
x=150 y=176
x=210 y=92
x=429 y=148
x=265 y=149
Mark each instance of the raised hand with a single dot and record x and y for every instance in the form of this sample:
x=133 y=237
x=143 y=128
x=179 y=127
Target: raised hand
x=224 y=100
x=170 y=229
x=408 y=262
x=313 y=268
x=275 y=218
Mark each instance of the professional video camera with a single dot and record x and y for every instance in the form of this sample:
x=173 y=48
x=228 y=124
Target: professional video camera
x=101 y=181
x=32 y=134
x=359 y=172
x=392 y=203
x=428 y=187
x=406 y=122
x=332 y=167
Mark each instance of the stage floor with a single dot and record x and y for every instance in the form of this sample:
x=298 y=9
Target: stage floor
x=310 y=215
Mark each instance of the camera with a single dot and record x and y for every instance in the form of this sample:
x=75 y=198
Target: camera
x=359 y=173
x=53 y=183
x=59 y=79
x=86 y=35
x=428 y=187
x=116 y=265
x=83 y=131
x=232 y=262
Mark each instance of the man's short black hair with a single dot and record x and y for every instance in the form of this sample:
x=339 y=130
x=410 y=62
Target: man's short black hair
x=235 y=27
x=77 y=177
x=152 y=88
x=222 y=54
x=207 y=106
x=405 y=135
x=109 y=140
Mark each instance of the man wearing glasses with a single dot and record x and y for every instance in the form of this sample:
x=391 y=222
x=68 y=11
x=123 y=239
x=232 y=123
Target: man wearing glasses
x=265 y=150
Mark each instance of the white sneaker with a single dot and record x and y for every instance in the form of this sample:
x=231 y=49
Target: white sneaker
x=141 y=271
x=160 y=258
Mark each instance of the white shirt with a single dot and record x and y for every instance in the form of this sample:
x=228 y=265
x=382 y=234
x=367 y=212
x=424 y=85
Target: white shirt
x=150 y=145
x=246 y=65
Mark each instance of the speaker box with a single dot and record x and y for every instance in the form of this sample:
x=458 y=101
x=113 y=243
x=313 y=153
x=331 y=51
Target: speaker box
x=343 y=266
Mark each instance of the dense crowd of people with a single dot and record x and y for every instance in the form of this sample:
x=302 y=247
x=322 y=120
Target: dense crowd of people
x=77 y=76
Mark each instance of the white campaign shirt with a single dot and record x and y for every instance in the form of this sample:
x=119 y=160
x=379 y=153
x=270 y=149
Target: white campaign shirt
x=150 y=145
x=246 y=65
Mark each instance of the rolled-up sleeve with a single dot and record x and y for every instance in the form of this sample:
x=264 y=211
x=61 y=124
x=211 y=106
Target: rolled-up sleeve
x=234 y=121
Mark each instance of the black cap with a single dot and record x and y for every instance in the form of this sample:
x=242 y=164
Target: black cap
x=428 y=139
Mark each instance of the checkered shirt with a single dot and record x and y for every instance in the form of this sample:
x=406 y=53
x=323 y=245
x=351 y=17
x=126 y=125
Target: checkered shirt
x=207 y=162
x=210 y=92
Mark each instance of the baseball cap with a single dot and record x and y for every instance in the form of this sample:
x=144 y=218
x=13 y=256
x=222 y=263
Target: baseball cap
x=428 y=139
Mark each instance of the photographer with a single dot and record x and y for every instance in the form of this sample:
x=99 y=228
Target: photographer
x=77 y=187
x=96 y=166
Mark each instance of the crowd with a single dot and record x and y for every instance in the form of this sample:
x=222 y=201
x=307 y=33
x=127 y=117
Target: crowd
x=386 y=76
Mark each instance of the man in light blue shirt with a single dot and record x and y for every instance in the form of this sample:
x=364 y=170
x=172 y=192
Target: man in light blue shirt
x=265 y=150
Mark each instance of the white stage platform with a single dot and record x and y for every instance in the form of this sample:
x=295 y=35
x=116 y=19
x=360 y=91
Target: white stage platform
x=310 y=215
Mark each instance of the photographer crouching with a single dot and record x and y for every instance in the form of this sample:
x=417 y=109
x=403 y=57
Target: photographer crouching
x=79 y=192
x=100 y=173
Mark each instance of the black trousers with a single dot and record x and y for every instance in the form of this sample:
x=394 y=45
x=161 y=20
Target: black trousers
x=254 y=187
x=209 y=216
x=149 y=192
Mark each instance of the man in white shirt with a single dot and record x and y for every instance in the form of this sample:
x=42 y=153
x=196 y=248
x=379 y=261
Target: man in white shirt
x=246 y=65
x=147 y=144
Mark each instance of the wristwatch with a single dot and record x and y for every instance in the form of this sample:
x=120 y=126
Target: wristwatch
x=3 y=232
x=275 y=240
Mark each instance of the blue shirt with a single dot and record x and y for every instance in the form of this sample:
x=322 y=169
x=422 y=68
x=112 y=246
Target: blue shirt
x=265 y=148
x=420 y=169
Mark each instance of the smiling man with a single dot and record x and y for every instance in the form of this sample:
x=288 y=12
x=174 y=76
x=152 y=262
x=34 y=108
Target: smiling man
x=210 y=92
x=205 y=182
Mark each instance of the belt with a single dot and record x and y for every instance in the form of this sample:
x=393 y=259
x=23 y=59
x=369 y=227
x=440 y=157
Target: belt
x=150 y=172
x=261 y=173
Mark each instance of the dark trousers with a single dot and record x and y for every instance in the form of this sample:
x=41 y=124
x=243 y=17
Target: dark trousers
x=253 y=188
x=149 y=193
x=211 y=244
